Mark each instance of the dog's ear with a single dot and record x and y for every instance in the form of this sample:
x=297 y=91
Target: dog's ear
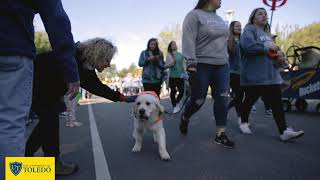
x=160 y=107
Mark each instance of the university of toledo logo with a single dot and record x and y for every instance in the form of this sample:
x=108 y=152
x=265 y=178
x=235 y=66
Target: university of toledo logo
x=15 y=168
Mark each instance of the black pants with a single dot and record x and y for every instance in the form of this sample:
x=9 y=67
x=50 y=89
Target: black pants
x=266 y=105
x=272 y=95
x=238 y=92
x=176 y=84
x=156 y=87
x=45 y=135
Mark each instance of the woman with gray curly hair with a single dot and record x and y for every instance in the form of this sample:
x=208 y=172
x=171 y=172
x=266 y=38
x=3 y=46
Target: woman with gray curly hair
x=50 y=87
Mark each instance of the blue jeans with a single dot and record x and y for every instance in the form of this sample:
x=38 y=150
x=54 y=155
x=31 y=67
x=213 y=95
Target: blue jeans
x=217 y=77
x=16 y=76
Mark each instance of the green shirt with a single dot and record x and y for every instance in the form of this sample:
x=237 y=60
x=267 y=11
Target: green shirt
x=177 y=70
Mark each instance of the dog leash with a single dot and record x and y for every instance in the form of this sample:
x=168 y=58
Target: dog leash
x=158 y=120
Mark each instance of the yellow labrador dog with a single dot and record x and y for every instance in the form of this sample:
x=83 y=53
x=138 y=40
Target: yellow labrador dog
x=147 y=116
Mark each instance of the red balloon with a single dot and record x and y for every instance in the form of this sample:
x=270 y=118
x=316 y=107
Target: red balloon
x=275 y=3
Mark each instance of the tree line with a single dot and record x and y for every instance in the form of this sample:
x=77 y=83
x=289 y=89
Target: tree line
x=288 y=35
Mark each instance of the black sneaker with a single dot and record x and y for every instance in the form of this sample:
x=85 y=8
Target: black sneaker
x=268 y=112
x=184 y=125
x=223 y=140
x=65 y=169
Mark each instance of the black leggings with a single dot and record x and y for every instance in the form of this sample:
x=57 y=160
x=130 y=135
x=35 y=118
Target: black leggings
x=266 y=105
x=45 y=135
x=237 y=91
x=272 y=95
x=156 y=87
x=174 y=84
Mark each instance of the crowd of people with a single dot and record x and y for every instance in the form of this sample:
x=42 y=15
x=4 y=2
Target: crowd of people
x=131 y=85
x=213 y=55
x=219 y=57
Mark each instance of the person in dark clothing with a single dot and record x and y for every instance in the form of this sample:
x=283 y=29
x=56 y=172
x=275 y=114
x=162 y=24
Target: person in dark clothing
x=49 y=89
x=17 y=52
x=234 y=61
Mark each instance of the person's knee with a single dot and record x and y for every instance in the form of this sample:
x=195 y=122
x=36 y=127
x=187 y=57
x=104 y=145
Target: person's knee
x=225 y=93
x=222 y=96
x=192 y=106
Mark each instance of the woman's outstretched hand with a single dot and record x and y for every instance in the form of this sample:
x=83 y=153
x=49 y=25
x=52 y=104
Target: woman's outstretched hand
x=128 y=99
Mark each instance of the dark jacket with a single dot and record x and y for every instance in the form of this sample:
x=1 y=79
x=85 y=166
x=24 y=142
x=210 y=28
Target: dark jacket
x=17 y=31
x=49 y=85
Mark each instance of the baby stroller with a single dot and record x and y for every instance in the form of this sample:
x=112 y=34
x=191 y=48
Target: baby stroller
x=302 y=79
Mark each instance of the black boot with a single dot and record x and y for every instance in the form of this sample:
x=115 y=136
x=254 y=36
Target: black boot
x=65 y=169
x=184 y=125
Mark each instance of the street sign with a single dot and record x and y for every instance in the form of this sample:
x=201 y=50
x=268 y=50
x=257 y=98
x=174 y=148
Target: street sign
x=274 y=4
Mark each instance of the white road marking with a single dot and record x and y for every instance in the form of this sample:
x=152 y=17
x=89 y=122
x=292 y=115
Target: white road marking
x=100 y=162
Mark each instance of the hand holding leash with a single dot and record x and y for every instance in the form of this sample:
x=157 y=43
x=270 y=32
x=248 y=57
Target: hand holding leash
x=192 y=68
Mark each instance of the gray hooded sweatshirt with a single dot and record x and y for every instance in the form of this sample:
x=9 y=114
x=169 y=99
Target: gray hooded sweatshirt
x=204 y=38
x=256 y=66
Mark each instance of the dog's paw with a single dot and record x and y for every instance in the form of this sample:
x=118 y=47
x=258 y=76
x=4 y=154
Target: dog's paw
x=165 y=156
x=136 y=148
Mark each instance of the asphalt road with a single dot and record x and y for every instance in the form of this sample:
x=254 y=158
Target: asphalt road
x=102 y=147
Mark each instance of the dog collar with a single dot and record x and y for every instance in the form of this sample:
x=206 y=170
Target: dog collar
x=150 y=93
x=158 y=120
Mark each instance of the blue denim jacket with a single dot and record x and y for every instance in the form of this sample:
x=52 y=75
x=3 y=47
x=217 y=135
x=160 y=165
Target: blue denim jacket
x=152 y=72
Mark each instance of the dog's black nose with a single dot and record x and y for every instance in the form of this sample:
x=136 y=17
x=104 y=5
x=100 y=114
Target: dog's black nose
x=142 y=111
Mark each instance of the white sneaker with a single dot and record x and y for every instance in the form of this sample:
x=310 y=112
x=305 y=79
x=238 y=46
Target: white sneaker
x=253 y=109
x=176 y=109
x=268 y=112
x=63 y=114
x=70 y=124
x=244 y=127
x=289 y=134
x=77 y=123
